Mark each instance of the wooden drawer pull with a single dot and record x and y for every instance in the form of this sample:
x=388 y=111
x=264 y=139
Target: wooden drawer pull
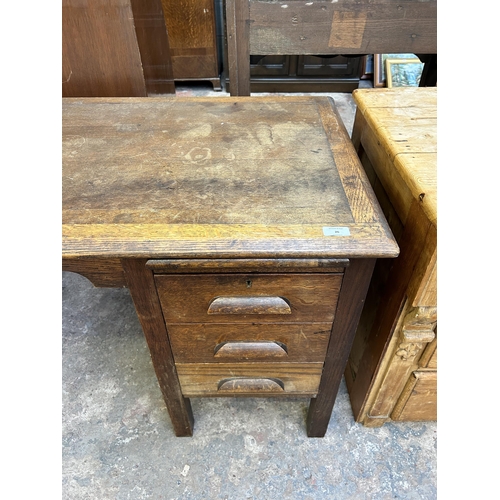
x=249 y=305
x=251 y=385
x=250 y=350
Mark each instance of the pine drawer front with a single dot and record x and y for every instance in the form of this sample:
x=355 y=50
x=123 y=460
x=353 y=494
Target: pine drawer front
x=249 y=379
x=418 y=401
x=229 y=343
x=249 y=298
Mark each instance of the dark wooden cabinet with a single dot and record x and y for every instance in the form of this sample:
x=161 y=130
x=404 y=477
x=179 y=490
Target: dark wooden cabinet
x=191 y=26
x=304 y=73
x=115 y=48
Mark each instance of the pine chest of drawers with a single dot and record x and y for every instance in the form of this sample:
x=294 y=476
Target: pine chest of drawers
x=245 y=230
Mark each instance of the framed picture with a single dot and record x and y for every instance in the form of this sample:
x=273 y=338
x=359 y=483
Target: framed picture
x=403 y=72
x=379 y=78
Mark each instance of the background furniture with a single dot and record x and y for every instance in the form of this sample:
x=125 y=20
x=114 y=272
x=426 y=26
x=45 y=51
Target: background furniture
x=245 y=230
x=392 y=368
x=343 y=27
x=115 y=48
x=191 y=26
x=303 y=73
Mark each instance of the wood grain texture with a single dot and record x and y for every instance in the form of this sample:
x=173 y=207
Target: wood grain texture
x=187 y=298
x=247 y=265
x=290 y=27
x=418 y=400
x=100 y=272
x=251 y=350
x=392 y=304
x=100 y=52
x=154 y=46
x=238 y=47
x=141 y=285
x=429 y=357
x=405 y=124
x=251 y=385
x=395 y=135
x=172 y=183
x=197 y=343
x=192 y=38
x=299 y=379
x=342 y=27
x=355 y=286
x=213 y=177
x=249 y=305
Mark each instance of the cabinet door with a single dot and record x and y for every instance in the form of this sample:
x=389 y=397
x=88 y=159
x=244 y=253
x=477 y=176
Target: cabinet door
x=329 y=66
x=270 y=65
x=192 y=37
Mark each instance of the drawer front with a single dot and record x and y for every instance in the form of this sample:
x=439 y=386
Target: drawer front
x=249 y=379
x=418 y=401
x=248 y=298
x=277 y=343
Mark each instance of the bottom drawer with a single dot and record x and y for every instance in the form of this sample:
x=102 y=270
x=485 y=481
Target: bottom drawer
x=418 y=401
x=249 y=379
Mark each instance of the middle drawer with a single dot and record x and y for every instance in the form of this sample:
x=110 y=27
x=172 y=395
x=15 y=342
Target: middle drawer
x=248 y=298
x=227 y=343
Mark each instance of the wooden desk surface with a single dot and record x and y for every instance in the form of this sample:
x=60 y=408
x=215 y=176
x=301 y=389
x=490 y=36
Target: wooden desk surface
x=224 y=177
x=405 y=123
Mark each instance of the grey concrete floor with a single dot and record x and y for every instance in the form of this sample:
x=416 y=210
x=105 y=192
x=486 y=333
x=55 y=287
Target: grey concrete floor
x=118 y=441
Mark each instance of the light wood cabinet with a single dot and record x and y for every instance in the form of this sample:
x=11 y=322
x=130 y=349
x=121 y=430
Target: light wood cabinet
x=392 y=368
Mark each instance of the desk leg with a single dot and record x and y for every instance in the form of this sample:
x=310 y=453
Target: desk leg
x=142 y=288
x=351 y=300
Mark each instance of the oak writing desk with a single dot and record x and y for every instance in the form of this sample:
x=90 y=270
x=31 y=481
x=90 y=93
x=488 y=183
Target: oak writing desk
x=245 y=230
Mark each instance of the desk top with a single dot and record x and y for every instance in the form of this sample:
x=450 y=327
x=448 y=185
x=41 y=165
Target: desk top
x=215 y=177
x=405 y=121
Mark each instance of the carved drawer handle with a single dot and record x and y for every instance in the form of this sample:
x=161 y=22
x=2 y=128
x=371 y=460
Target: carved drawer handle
x=249 y=305
x=249 y=350
x=251 y=385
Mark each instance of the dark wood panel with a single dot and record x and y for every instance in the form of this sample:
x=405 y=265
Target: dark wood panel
x=101 y=56
x=278 y=73
x=192 y=38
x=352 y=297
x=142 y=289
x=167 y=266
x=342 y=27
x=154 y=46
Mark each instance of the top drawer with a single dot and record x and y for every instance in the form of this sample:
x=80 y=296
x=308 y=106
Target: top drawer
x=248 y=298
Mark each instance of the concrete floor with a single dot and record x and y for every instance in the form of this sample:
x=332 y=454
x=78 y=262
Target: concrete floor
x=118 y=442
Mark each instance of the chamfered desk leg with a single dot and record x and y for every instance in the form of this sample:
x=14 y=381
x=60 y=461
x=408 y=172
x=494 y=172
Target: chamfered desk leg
x=142 y=288
x=351 y=300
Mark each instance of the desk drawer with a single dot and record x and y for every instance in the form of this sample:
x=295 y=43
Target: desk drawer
x=219 y=343
x=248 y=298
x=249 y=379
